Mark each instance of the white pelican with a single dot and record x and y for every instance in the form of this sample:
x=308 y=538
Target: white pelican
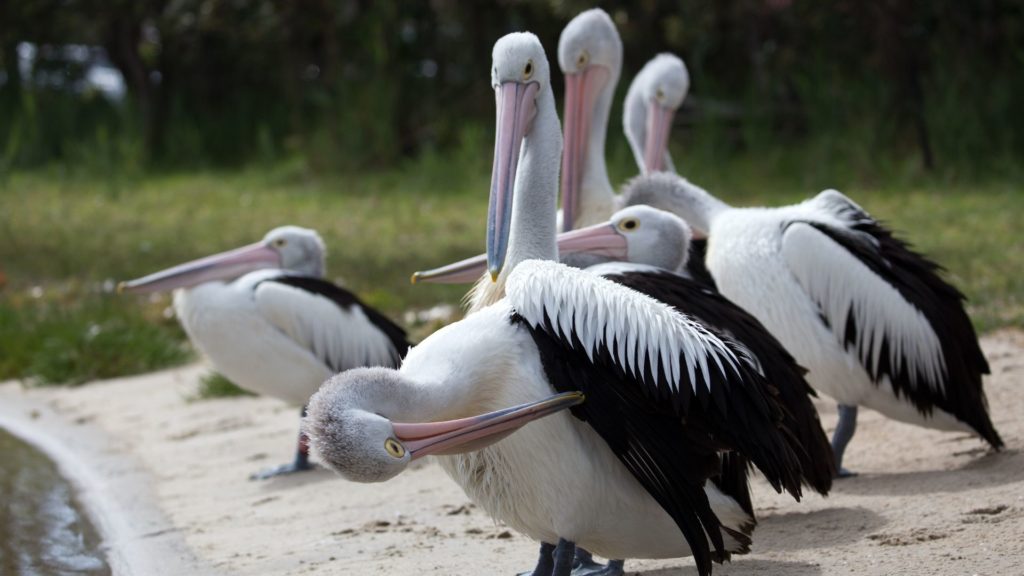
x=655 y=94
x=647 y=249
x=280 y=329
x=590 y=56
x=655 y=395
x=870 y=318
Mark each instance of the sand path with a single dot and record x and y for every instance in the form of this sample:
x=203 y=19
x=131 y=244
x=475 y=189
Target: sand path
x=925 y=503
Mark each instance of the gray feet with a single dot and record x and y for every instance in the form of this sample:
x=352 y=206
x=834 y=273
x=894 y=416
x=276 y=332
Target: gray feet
x=845 y=428
x=584 y=565
x=564 y=554
x=554 y=560
x=300 y=464
x=283 y=470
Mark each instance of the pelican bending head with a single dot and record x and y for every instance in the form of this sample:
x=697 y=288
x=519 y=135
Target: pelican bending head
x=349 y=426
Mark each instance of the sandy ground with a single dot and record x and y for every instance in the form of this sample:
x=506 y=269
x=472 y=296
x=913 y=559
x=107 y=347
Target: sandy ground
x=925 y=503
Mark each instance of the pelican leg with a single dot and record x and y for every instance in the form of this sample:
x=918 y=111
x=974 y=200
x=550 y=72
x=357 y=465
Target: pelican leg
x=845 y=428
x=300 y=464
x=584 y=565
x=564 y=553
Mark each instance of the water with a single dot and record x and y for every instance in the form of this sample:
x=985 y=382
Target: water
x=42 y=528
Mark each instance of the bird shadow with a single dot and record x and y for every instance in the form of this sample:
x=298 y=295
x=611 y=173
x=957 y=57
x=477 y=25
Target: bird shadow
x=290 y=481
x=742 y=567
x=822 y=528
x=991 y=469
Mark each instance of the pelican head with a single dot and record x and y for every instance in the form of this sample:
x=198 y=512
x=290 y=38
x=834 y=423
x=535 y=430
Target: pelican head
x=590 y=56
x=519 y=74
x=653 y=98
x=298 y=250
x=348 y=424
x=638 y=234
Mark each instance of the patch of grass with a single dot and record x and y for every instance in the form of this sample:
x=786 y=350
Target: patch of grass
x=58 y=230
x=48 y=340
x=214 y=385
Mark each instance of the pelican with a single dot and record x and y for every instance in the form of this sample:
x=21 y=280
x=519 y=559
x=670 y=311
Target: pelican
x=647 y=249
x=280 y=329
x=653 y=395
x=871 y=319
x=655 y=94
x=590 y=56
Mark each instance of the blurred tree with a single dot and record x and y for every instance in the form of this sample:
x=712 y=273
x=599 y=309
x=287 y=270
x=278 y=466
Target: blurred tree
x=353 y=83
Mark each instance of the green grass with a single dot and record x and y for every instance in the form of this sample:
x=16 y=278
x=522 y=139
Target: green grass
x=71 y=235
x=70 y=337
x=213 y=385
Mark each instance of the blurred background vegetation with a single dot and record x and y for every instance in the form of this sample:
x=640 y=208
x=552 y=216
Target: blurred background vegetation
x=356 y=84
x=137 y=134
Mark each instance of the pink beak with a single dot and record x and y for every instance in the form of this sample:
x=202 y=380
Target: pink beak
x=581 y=91
x=461 y=272
x=599 y=239
x=476 y=432
x=223 y=266
x=516 y=109
x=659 y=126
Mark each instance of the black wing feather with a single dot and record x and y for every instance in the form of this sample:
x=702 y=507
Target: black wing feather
x=346 y=300
x=917 y=279
x=671 y=441
x=780 y=369
x=696 y=266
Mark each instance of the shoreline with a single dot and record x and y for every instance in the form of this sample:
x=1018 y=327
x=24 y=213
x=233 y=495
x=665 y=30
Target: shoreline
x=113 y=490
x=164 y=480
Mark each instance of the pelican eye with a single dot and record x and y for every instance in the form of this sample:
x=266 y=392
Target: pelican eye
x=280 y=242
x=394 y=448
x=659 y=95
x=629 y=224
x=528 y=70
x=583 y=59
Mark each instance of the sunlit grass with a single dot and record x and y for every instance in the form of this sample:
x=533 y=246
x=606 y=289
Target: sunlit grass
x=57 y=230
x=76 y=337
x=214 y=385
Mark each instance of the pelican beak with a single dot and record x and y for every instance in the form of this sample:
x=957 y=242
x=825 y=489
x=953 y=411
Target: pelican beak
x=581 y=91
x=659 y=125
x=599 y=239
x=223 y=266
x=516 y=109
x=476 y=432
x=461 y=272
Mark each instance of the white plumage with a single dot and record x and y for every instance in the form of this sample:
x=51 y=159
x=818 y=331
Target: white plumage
x=278 y=330
x=657 y=396
x=640 y=330
x=870 y=319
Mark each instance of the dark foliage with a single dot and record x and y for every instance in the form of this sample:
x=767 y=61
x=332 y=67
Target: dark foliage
x=362 y=84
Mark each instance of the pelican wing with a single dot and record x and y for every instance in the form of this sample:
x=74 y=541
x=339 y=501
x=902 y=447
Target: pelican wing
x=330 y=322
x=666 y=394
x=761 y=350
x=889 y=308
